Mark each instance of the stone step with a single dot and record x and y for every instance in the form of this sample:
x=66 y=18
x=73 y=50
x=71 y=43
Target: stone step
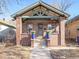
x=40 y=53
x=39 y=37
x=38 y=40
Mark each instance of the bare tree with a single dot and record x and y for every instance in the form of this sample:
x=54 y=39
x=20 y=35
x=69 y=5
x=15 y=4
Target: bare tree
x=63 y=5
x=60 y=4
x=4 y=5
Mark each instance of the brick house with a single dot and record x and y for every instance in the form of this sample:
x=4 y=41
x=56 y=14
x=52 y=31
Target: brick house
x=40 y=18
x=72 y=31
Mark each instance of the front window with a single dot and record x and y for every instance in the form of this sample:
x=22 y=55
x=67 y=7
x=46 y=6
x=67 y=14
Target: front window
x=29 y=27
x=51 y=26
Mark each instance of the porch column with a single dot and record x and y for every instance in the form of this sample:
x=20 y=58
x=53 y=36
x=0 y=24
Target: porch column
x=18 y=30
x=58 y=34
x=62 y=31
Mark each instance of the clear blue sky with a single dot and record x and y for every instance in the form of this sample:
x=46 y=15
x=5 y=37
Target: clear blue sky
x=13 y=7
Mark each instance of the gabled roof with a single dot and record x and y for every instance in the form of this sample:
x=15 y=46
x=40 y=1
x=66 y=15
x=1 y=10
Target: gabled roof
x=37 y=4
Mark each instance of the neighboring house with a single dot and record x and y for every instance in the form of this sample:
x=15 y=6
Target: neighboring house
x=7 y=31
x=47 y=23
x=72 y=30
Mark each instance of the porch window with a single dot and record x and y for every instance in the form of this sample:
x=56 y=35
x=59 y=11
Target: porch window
x=29 y=28
x=51 y=26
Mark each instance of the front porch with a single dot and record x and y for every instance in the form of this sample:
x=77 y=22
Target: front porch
x=40 y=19
x=40 y=26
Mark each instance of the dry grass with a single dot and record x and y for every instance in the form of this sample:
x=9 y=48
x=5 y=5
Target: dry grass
x=19 y=52
x=14 y=52
x=65 y=54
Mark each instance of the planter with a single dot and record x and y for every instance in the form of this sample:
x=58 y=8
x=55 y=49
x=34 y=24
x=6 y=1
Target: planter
x=47 y=35
x=33 y=34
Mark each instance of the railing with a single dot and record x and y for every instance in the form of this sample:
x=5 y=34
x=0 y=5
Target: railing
x=25 y=39
x=24 y=35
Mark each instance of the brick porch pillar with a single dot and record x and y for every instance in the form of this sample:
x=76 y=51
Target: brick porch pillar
x=18 y=30
x=48 y=43
x=32 y=43
x=62 y=31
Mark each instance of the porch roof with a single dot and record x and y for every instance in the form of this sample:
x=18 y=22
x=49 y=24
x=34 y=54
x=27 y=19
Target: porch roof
x=26 y=9
x=46 y=17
